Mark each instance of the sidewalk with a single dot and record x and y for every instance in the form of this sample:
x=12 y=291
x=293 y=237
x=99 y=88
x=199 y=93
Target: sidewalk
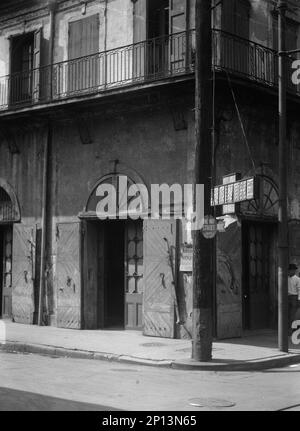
x=252 y=352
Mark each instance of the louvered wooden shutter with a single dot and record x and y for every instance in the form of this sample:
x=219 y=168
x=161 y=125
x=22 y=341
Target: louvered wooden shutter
x=84 y=37
x=83 y=41
x=23 y=306
x=36 y=65
x=68 y=274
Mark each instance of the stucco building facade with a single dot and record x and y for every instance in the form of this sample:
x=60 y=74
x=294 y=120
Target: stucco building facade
x=94 y=90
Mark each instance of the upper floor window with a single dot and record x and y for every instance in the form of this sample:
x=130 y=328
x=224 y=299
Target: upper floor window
x=24 y=67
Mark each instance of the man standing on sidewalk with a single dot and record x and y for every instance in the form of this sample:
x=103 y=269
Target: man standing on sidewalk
x=294 y=293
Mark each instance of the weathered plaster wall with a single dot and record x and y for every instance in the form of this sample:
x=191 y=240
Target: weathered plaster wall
x=23 y=171
x=145 y=142
x=115 y=19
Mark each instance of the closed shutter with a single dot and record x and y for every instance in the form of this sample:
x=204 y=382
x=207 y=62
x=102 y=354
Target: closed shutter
x=83 y=42
x=158 y=281
x=139 y=35
x=23 y=306
x=68 y=274
x=36 y=65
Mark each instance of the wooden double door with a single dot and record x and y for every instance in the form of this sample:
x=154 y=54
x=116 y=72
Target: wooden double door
x=113 y=287
x=116 y=274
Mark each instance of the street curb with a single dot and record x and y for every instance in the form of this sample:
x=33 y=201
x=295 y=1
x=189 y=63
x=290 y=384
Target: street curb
x=13 y=347
x=188 y=365
x=255 y=365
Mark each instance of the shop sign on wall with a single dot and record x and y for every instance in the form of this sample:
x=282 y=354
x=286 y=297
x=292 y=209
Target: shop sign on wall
x=186 y=259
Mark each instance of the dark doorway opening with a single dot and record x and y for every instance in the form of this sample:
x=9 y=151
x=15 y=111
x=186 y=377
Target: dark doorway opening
x=259 y=275
x=158 y=18
x=113 y=286
x=22 y=64
x=157 y=36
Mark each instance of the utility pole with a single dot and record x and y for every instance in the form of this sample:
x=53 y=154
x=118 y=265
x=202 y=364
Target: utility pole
x=203 y=248
x=283 y=251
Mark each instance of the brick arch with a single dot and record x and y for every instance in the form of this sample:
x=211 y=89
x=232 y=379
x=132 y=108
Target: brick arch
x=9 y=205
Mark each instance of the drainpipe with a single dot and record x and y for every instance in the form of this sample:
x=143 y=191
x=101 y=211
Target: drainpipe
x=52 y=8
x=44 y=227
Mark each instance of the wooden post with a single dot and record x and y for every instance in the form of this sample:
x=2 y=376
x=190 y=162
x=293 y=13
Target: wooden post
x=44 y=226
x=203 y=248
x=283 y=251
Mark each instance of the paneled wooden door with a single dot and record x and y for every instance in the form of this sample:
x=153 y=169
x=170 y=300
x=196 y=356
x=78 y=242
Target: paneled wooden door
x=68 y=274
x=134 y=275
x=5 y=271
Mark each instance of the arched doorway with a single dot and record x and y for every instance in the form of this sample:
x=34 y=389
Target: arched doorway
x=113 y=260
x=9 y=214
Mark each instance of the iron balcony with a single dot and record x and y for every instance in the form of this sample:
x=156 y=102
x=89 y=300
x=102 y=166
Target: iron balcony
x=144 y=62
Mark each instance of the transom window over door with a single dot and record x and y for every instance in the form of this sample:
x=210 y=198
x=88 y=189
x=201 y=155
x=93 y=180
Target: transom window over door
x=83 y=48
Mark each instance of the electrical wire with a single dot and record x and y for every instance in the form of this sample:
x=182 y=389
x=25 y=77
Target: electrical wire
x=241 y=122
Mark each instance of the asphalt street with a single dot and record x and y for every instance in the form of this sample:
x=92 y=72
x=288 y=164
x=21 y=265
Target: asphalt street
x=34 y=382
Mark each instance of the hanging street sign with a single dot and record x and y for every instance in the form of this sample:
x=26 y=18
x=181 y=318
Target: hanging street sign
x=234 y=192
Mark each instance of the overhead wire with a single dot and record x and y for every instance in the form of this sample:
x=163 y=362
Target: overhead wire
x=241 y=122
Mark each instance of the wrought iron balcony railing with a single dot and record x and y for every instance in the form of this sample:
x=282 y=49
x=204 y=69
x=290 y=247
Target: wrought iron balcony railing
x=249 y=59
x=139 y=63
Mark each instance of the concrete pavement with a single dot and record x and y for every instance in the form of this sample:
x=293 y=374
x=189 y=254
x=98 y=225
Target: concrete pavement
x=36 y=382
x=254 y=351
